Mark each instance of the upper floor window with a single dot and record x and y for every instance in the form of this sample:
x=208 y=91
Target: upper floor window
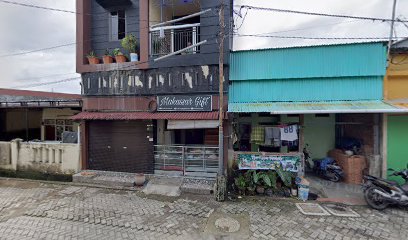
x=117 y=25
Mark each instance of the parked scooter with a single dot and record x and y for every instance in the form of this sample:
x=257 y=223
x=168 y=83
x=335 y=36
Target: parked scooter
x=379 y=193
x=326 y=168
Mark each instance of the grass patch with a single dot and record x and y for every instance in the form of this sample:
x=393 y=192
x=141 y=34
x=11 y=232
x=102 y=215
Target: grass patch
x=36 y=175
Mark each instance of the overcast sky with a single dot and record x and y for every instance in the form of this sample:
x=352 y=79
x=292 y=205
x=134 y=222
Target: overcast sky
x=26 y=29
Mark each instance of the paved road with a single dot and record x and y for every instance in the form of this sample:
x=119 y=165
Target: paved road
x=30 y=210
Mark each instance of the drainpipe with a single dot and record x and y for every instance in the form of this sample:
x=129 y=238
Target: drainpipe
x=26 y=120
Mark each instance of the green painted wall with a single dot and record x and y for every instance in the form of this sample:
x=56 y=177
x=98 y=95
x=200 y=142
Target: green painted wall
x=319 y=133
x=397 y=141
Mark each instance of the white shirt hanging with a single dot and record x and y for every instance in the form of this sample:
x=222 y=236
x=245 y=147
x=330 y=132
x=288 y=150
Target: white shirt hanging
x=289 y=133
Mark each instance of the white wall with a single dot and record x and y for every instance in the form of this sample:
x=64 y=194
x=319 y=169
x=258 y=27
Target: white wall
x=43 y=157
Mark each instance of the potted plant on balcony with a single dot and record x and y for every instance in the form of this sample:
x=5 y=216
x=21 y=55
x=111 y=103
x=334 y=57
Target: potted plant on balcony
x=92 y=58
x=107 y=57
x=130 y=43
x=119 y=57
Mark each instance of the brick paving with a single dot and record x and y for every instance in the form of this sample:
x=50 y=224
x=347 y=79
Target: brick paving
x=45 y=211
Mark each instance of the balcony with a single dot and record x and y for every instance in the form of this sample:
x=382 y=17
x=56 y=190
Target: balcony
x=170 y=39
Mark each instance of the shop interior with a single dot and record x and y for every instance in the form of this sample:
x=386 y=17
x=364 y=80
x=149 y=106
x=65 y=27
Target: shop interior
x=351 y=141
x=186 y=147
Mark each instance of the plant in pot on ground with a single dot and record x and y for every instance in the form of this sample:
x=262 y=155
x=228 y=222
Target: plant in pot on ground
x=92 y=58
x=287 y=180
x=107 y=57
x=250 y=182
x=273 y=177
x=129 y=43
x=261 y=181
x=119 y=57
x=240 y=183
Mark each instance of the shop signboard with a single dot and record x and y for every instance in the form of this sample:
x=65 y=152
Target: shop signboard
x=197 y=103
x=259 y=161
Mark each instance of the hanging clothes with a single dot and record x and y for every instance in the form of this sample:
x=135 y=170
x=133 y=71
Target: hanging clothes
x=289 y=133
x=272 y=136
x=258 y=135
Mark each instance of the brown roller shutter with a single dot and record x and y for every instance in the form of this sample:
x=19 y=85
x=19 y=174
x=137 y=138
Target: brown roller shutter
x=120 y=146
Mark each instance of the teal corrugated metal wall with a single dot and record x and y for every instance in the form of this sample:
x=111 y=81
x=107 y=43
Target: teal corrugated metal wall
x=313 y=89
x=359 y=59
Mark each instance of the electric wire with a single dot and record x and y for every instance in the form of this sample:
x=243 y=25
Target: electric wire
x=319 y=14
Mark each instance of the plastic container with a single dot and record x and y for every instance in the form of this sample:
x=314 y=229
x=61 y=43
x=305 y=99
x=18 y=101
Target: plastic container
x=134 y=57
x=303 y=192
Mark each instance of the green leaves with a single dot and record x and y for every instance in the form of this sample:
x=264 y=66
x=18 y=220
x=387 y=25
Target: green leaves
x=240 y=182
x=285 y=176
x=129 y=43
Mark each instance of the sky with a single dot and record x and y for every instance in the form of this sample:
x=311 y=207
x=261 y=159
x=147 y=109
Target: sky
x=26 y=29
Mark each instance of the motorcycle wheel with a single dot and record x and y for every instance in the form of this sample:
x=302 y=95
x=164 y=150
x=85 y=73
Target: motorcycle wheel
x=375 y=200
x=333 y=177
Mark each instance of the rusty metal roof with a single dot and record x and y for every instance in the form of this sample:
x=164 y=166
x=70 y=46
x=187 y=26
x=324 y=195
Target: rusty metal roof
x=13 y=95
x=146 y=115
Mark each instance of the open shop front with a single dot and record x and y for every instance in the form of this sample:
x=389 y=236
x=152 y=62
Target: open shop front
x=352 y=140
x=187 y=147
x=187 y=142
x=267 y=155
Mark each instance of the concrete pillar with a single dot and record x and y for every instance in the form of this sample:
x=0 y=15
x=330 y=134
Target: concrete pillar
x=42 y=133
x=15 y=152
x=44 y=151
x=51 y=156
x=384 y=147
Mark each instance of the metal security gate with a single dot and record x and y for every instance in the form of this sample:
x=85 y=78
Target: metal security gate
x=121 y=146
x=193 y=161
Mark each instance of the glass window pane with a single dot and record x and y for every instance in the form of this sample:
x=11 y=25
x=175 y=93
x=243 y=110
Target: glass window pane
x=121 y=24
x=114 y=26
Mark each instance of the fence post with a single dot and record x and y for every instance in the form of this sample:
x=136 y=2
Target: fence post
x=172 y=41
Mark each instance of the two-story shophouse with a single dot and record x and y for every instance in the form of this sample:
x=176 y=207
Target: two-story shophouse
x=157 y=114
x=326 y=98
x=396 y=92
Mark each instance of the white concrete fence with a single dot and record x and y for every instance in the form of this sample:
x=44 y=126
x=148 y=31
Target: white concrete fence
x=57 y=158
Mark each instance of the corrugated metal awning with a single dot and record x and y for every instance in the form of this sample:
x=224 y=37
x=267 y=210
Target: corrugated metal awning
x=146 y=115
x=374 y=106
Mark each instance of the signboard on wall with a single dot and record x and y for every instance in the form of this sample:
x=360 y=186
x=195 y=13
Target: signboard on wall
x=259 y=161
x=198 y=103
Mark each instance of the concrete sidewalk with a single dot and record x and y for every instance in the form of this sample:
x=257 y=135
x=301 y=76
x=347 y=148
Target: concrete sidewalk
x=350 y=194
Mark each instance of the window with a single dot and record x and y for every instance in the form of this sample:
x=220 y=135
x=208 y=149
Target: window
x=170 y=80
x=55 y=127
x=117 y=25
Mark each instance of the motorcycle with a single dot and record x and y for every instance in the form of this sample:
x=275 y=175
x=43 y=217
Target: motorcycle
x=379 y=193
x=326 y=168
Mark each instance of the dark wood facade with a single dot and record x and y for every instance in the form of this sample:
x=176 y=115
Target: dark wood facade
x=120 y=145
x=93 y=34
x=130 y=103
x=176 y=80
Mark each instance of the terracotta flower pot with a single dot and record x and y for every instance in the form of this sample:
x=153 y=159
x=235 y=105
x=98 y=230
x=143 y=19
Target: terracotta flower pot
x=140 y=179
x=260 y=190
x=93 y=60
x=107 y=59
x=120 y=59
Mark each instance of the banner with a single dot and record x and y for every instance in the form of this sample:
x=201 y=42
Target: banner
x=290 y=163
